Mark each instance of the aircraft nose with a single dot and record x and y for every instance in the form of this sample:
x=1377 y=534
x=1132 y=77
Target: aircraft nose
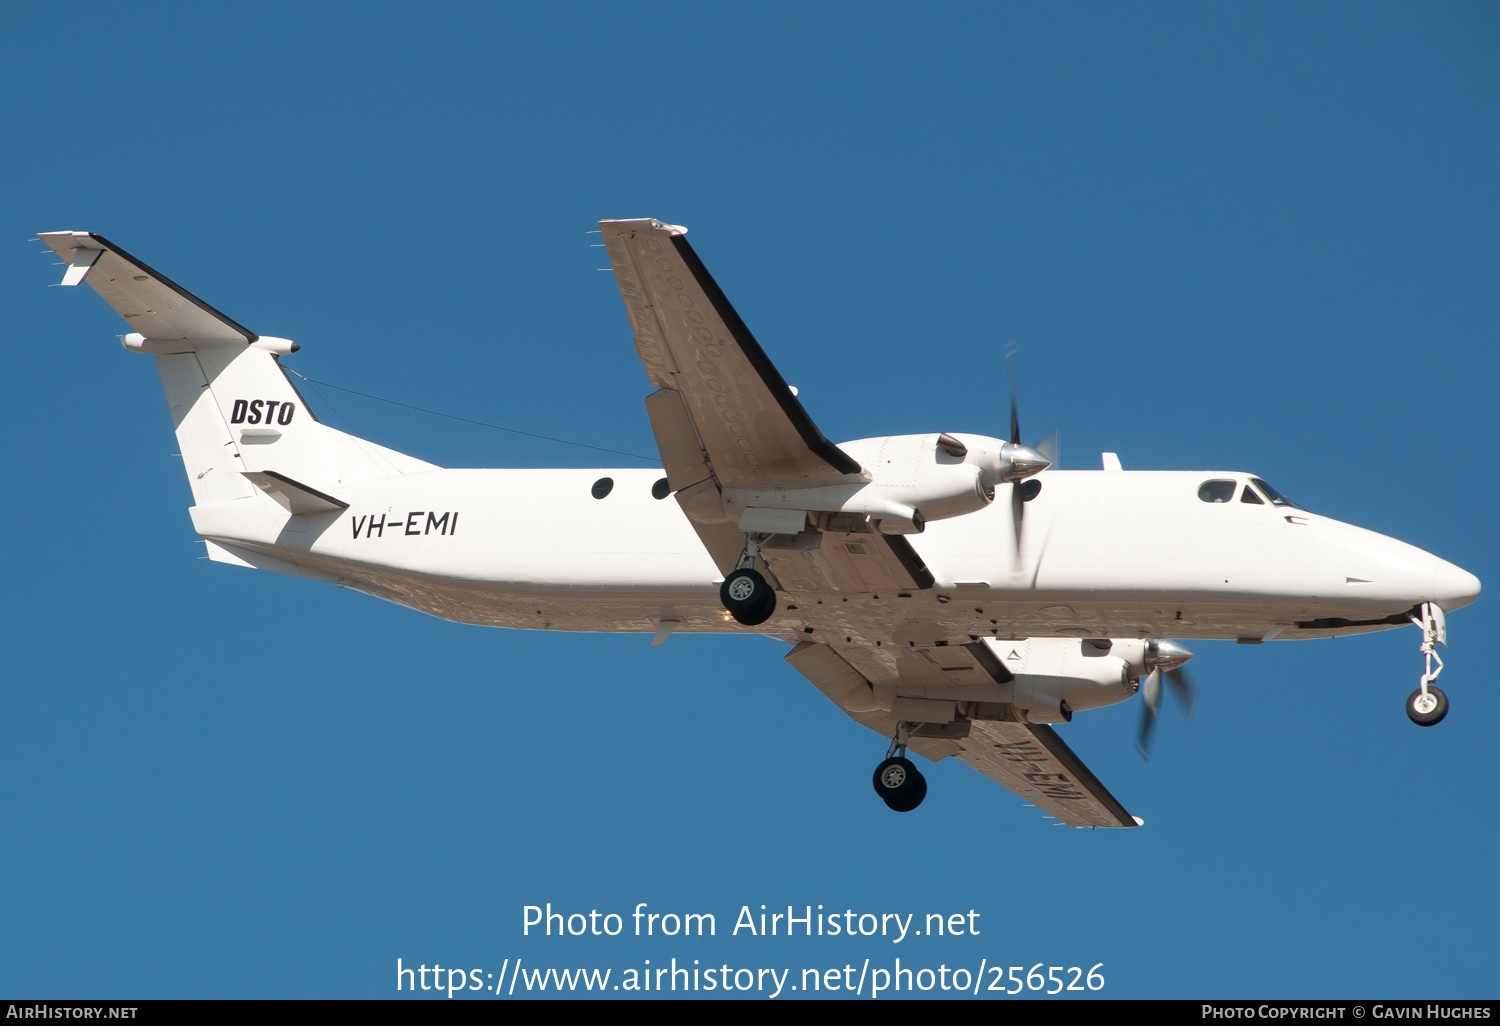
x=1453 y=586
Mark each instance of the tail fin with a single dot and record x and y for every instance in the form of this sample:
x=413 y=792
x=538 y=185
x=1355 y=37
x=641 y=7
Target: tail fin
x=242 y=426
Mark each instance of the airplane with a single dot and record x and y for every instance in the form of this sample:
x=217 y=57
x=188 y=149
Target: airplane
x=953 y=592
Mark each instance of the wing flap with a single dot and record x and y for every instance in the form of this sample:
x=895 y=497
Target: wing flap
x=682 y=455
x=850 y=562
x=848 y=689
x=1026 y=758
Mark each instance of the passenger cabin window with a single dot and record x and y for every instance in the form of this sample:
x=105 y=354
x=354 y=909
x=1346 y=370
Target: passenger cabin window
x=1217 y=491
x=1277 y=499
x=1251 y=497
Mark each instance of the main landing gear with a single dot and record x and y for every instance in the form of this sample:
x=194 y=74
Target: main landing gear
x=897 y=781
x=1428 y=705
x=745 y=593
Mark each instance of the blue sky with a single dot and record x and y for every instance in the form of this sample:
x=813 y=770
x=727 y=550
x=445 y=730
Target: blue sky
x=1232 y=236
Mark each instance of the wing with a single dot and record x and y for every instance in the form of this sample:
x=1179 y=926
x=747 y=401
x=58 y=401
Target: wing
x=1028 y=758
x=150 y=302
x=724 y=417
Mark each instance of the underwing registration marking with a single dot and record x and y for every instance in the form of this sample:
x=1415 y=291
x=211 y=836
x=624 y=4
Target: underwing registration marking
x=1030 y=755
x=373 y=525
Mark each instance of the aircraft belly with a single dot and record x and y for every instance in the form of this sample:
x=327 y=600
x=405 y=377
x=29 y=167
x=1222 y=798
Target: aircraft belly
x=635 y=592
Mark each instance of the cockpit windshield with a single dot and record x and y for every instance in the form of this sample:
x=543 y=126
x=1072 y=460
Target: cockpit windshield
x=1277 y=499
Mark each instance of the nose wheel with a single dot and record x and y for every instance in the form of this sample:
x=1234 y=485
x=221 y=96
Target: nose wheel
x=1427 y=706
x=900 y=785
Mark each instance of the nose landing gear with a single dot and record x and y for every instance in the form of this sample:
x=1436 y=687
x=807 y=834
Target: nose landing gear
x=1427 y=705
x=897 y=781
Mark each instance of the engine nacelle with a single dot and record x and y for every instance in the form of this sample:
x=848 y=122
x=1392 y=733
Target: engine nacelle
x=911 y=479
x=1052 y=678
x=1056 y=677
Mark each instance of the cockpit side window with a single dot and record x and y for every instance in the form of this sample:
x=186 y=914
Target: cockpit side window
x=1277 y=499
x=1251 y=497
x=1217 y=491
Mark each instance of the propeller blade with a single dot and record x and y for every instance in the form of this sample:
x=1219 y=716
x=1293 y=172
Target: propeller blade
x=1143 y=736
x=1015 y=416
x=1017 y=516
x=1151 y=691
x=1183 y=688
x=1051 y=447
x=1151 y=695
x=1017 y=500
x=1150 y=699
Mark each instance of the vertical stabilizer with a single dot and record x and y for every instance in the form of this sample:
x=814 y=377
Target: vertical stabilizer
x=241 y=424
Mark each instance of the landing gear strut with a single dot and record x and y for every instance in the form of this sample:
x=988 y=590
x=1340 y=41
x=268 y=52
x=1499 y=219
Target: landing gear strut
x=1428 y=705
x=745 y=593
x=897 y=781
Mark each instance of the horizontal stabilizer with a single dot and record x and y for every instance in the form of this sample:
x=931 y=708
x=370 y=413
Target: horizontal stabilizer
x=294 y=496
x=235 y=555
x=150 y=302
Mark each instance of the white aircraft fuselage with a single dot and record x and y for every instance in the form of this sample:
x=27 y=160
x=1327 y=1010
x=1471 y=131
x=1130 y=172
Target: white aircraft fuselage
x=1105 y=554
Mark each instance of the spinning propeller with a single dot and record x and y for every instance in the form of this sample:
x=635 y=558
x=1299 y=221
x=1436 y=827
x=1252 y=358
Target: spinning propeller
x=1051 y=448
x=1165 y=660
x=1024 y=460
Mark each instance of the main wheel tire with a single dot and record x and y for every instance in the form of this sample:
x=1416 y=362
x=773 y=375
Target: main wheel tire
x=900 y=785
x=913 y=798
x=1425 y=711
x=747 y=597
x=764 y=613
x=896 y=779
